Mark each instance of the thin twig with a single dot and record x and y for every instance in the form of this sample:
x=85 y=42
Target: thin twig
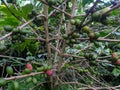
x=64 y=41
x=111 y=32
x=4 y=37
x=59 y=33
x=39 y=38
x=57 y=8
x=54 y=48
x=100 y=39
x=10 y=57
x=23 y=76
x=28 y=22
x=47 y=34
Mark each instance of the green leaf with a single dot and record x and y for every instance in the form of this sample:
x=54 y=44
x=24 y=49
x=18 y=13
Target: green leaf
x=10 y=86
x=104 y=33
x=5 y=11
x=15 y=11
x=9 y=21
x=115 y=12
x=20 y=47
x=26 y=10
x=116 y=72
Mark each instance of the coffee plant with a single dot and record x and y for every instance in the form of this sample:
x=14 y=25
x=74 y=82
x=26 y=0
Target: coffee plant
x=59 y=44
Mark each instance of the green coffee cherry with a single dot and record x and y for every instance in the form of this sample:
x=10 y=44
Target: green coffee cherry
x=16 y=85
x=29 y=79
x=3 y=82
x=9 y=70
